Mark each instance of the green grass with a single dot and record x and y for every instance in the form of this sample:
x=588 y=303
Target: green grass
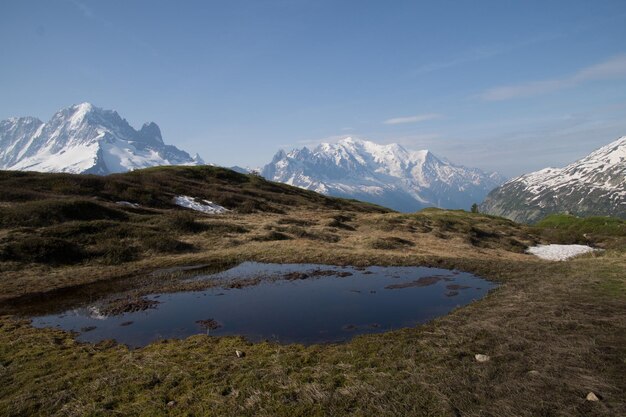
x=613 y=287
x=609 y=226
x=554 y=331
x=53 y=211
x=47 y=215
x=551 y=337
x=608 y=232
x=155 y=188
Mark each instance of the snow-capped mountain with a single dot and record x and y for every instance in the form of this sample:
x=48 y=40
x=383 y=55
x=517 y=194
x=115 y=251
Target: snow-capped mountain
x=388 y=175
x=85 y=139
x=593 y=185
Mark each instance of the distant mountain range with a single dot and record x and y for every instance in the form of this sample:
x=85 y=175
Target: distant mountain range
x=85 y=139
x=388 y=175
x=593 y=185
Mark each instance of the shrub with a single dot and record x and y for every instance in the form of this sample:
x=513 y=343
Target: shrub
x=340 y=225
x=115 y=253
x=185 y=222
x=273 y=235
x=48 y=212
x=166 y=244
x=43 y=250
x=80 y=229
x=390 y=243
x=564 y=228
x=295 y=222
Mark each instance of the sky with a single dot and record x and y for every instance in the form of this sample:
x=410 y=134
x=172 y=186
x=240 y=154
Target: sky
x=510 y=86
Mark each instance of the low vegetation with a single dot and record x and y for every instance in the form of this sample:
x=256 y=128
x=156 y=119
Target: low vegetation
x=69 y=219
x=607 y=232
x=155 y=188
x=554 y=331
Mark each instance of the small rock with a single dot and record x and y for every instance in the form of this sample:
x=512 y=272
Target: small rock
x=171 y=403
x=240 y=354
x=533 y=373
x=592 y=397
x=481 y=358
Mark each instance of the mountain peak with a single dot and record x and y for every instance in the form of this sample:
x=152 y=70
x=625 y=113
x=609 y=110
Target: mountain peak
x=83 y=138
x=23 y=120
x=83 y=107
x=75 y=115
x=385 y=174
x=198 y=159
x=150 y=132
x=613 y=153
x=279 y=155
x=350 y=139
x=593 y=185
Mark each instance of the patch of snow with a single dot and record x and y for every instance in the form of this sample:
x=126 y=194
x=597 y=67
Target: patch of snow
x=72 y=159
x=191 y=203
x=559 y=252
x=127 y=204
x=80 y=111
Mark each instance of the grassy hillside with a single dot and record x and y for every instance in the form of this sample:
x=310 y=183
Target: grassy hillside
x=606 y=232
x=62 y=219
x=65 y=243
x=554 y=330
x=155 y=188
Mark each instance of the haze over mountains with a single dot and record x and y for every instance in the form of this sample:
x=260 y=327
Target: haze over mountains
x=593 y=185
x=389 y=175
x=85 y=139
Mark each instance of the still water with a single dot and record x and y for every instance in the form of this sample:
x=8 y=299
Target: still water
x=303 y=303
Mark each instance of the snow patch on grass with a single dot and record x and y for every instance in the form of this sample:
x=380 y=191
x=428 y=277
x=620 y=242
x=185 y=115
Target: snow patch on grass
x=203 y=206
x=559 y=252
x=127 y=204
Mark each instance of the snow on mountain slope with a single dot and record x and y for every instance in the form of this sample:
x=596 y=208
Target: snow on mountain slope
x=593 y=185
x=388 y=175
x=84 y=139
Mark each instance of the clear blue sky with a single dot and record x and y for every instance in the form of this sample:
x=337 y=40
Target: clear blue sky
x=502 y=85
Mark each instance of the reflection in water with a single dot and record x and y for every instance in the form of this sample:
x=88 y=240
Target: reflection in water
x=301 y=303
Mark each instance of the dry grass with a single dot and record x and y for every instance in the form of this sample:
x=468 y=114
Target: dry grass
x=431 y=238
x=554 y=331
